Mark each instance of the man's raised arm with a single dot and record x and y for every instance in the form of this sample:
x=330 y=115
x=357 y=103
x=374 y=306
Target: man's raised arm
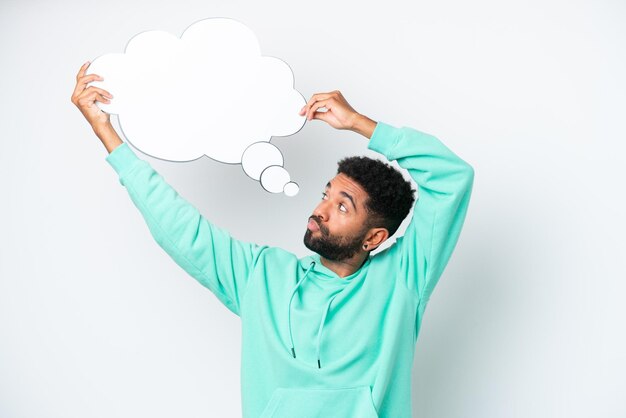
x=444 y=188
x=444 y=183
x=207 y=253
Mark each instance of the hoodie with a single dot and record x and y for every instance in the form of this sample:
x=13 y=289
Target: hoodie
x=315 y=344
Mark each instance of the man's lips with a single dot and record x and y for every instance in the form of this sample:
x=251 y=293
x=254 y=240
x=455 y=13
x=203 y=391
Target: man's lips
x=312 y=225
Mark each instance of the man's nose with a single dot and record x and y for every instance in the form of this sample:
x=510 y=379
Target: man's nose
x=321 y=211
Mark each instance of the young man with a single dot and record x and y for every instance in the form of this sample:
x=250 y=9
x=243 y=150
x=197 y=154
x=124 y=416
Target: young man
x=331 y=334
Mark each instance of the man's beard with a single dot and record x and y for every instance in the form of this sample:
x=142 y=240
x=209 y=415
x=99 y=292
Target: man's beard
x=332 y=247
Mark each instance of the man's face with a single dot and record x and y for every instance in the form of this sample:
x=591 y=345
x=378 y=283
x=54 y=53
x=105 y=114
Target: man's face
x=338 y=225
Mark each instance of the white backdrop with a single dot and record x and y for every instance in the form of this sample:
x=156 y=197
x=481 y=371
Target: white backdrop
x=527 y=320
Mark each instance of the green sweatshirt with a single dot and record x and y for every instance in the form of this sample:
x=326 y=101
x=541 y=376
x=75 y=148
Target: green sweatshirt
x=315 y=344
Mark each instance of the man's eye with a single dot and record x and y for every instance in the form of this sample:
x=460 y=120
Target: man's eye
x=342 y=208
x=323 y=195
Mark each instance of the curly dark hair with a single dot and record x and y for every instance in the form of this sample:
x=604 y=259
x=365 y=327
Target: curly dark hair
x=390 y=196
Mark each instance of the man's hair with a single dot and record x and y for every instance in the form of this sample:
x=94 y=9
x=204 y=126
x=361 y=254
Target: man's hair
x=390 y=196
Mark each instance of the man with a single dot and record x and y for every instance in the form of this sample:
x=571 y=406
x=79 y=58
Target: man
x=331 y=334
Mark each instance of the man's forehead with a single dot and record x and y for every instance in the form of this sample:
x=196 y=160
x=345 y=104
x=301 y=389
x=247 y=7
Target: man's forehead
x=347 y=184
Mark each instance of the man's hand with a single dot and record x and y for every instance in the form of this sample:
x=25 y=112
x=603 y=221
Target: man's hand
x=85 y=98
x=339 y=113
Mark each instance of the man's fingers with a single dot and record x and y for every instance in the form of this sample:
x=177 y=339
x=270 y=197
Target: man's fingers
x=90 y=99
x=318 y=96
x=102 y=92
x=79 y=94
x=317 y=105
x=82 y=81
x=89 y=78
x=312 y=106
x=323 y=116
x=313 y=99
x=92 y=95
x=82 y=70
x=100 y=98
x=96 y=96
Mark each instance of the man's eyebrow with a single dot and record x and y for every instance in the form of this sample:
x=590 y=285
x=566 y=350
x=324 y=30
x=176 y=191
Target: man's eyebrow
x=328 y=186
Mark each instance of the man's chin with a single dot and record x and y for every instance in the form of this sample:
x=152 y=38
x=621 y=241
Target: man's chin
x=308 y=235
x=307 y=239
x=311 y=242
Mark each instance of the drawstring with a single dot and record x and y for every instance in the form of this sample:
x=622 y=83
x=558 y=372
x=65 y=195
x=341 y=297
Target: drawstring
x=319 y=333
x=293 y=292
x=322 y=322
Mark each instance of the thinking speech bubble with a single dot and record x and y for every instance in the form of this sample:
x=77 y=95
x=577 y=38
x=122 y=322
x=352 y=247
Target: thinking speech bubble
x=209 y=92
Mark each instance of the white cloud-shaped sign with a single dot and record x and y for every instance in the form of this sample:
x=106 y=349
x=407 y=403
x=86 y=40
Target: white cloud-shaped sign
x=209 y=92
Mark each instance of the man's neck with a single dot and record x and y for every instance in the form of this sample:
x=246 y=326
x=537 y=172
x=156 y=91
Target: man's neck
x=344 y=268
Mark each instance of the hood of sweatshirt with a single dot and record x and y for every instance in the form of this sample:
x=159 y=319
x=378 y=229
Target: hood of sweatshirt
x=315 y=270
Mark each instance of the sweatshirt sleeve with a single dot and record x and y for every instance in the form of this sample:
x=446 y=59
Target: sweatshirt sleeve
x=208 y=253
x=444 y=187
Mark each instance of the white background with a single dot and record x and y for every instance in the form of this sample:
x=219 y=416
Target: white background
x=527 y=320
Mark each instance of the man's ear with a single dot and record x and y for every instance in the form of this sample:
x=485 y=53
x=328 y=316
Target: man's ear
x=375 y=237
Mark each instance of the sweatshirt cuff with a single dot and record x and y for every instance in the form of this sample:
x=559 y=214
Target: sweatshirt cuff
x=122 y=158
x=384 y=139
